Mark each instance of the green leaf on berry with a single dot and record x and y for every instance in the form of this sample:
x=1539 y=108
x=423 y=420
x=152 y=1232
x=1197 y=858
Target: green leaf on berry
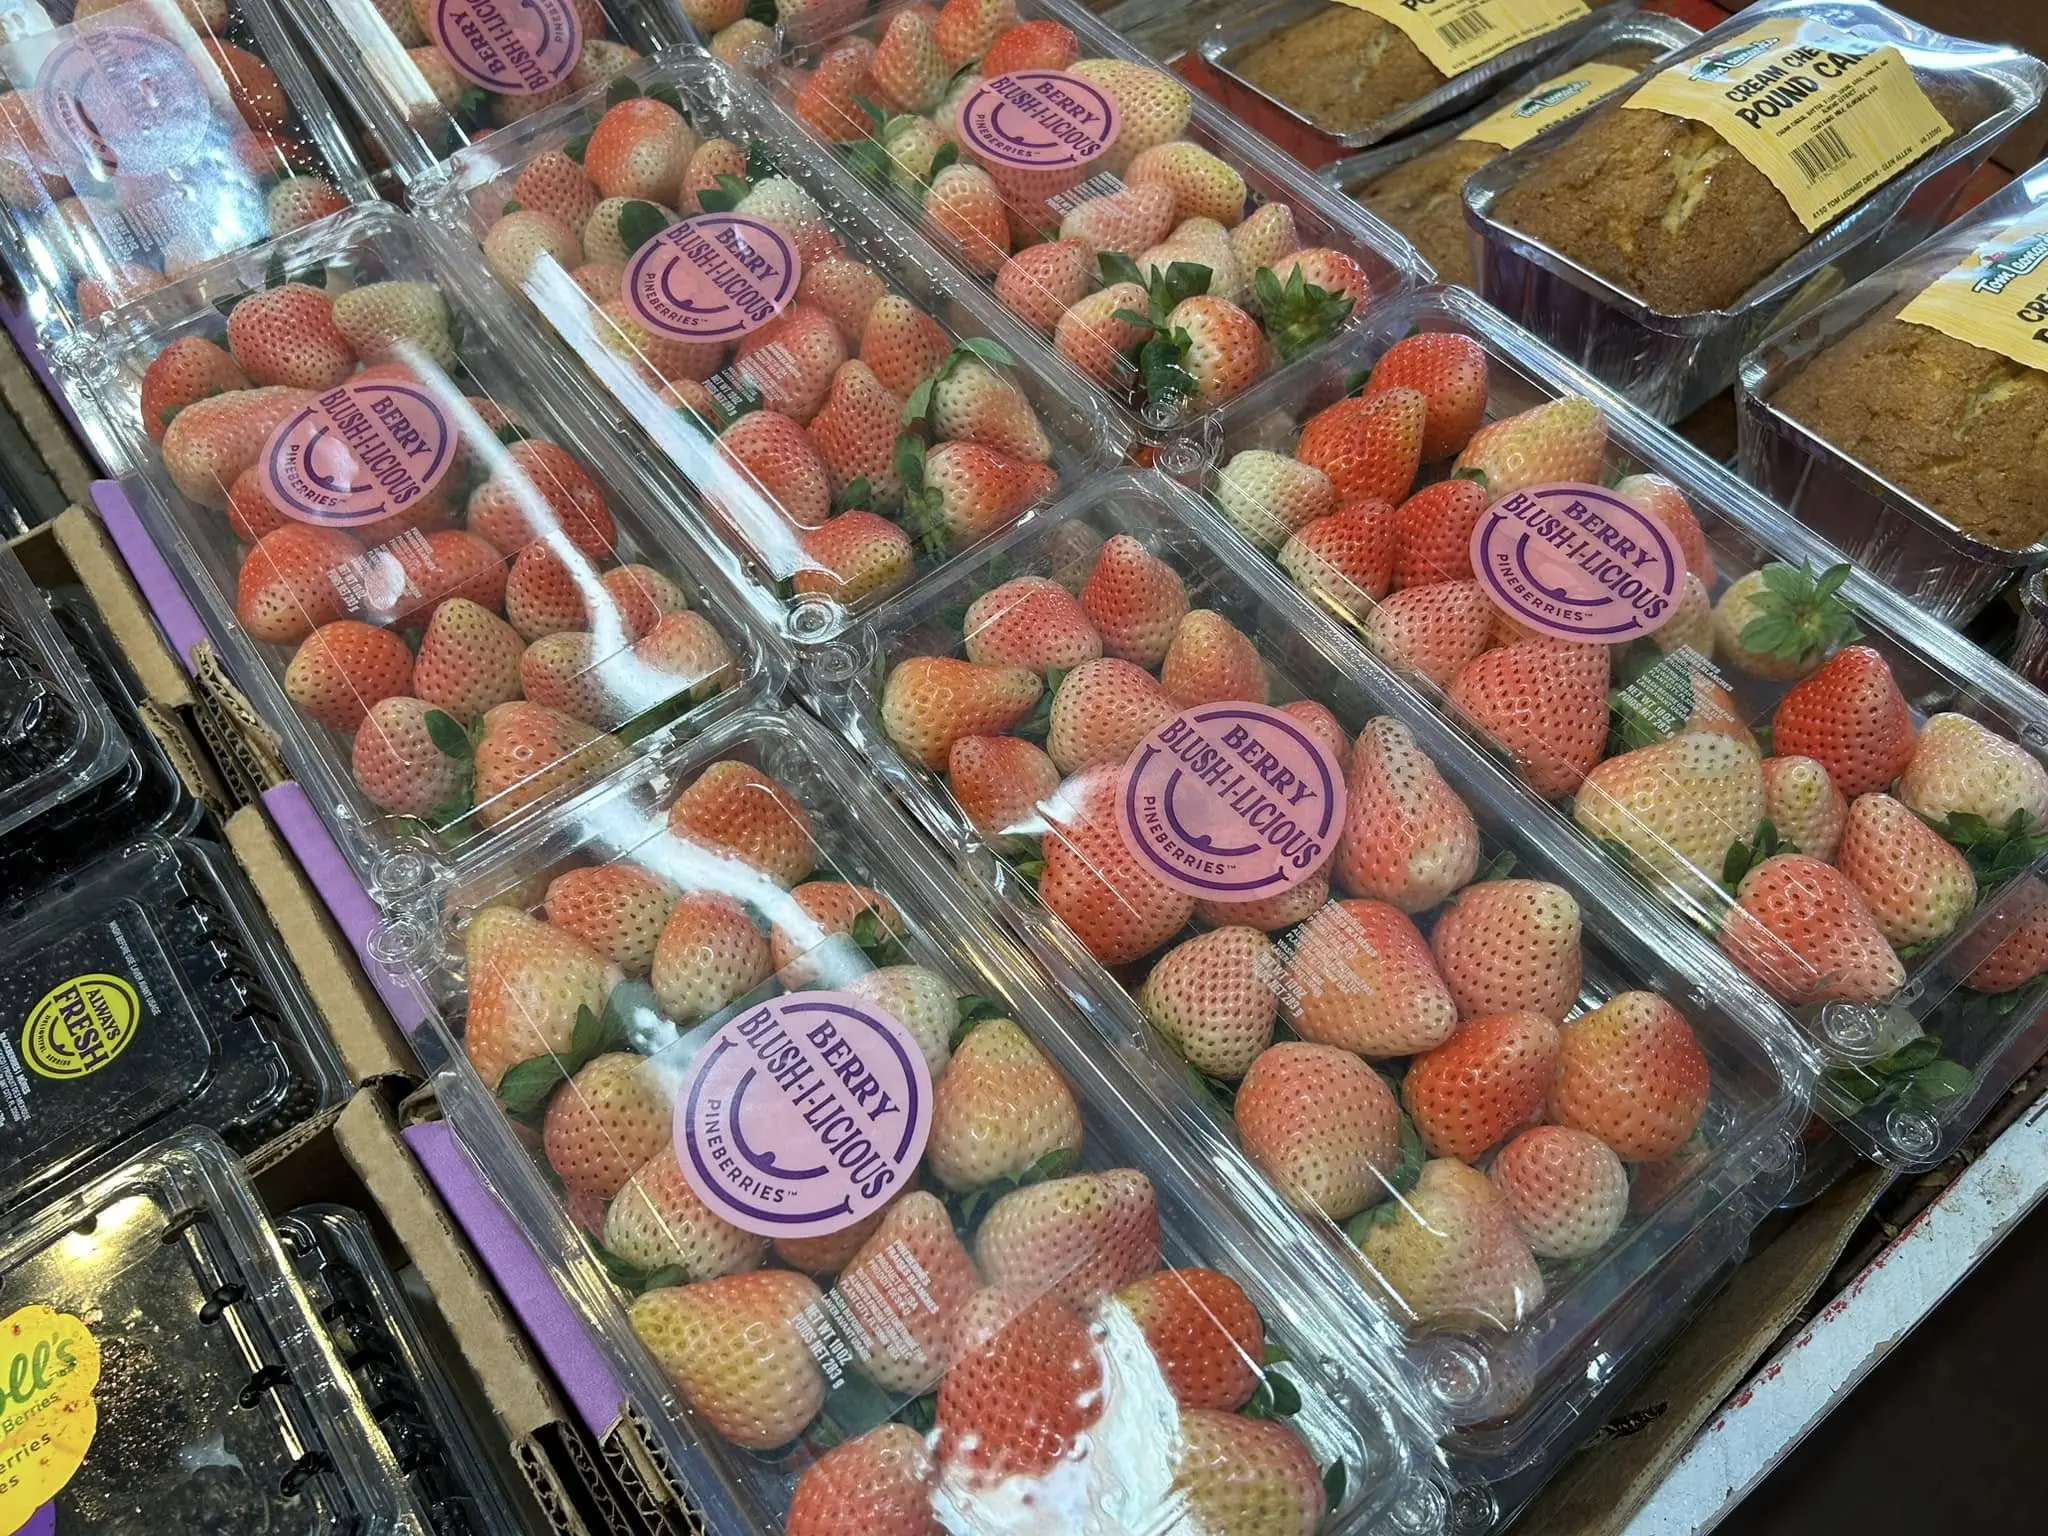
x=575 y=148
x=525 y=1089
x=946 y=155
x=762 y=11
x=1298 y=314
x=632 y=1278
x=1743 y=857
x=1499 y=867
x=640 y=222
x=875 y=940
x=1117 y=267
x=1336 y=1480
x=622 y=88
x=858 y=496
x=761 y=161
x=1796 y=616
x=989 y=350
x=448 y=736
x=1997 y=854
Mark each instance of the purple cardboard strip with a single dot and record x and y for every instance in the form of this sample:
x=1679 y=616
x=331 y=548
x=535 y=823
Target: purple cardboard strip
x=175 y=615
x=557 y=1332
x=353 y=911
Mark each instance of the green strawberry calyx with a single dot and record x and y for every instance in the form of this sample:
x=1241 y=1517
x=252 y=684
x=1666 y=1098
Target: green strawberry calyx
x=1996 y=854
x=917 y=407
x=1796 y=616
x=1162 y=357
x=722 y=198
x=1299 y=315
x=526 y=1087
x=1764 y=843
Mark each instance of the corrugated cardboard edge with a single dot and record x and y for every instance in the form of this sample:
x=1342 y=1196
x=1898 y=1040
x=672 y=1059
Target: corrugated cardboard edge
x=659 y=1498
x=1599 y=1490
x=96 y=565
x=37 y=413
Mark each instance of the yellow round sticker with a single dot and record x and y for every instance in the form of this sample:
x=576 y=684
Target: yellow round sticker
x=80 y=1026
x=49 y=1365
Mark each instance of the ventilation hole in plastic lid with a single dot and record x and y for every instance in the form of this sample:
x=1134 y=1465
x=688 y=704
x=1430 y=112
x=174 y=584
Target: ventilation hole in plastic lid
x=814 y=618
x=1913 y=1133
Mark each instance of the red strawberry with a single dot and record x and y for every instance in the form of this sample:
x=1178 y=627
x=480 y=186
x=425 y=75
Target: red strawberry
x=2012 y=944
x=1093 y=883
x=909 y=68
x=1802 y=803
x=902 y=344
x=930 y=702
x=399 y=765
x=791 y=360
x=779 y=463
x=1076 y=1238
x=190 y=368
x=1030 y=621
x=1449 y=371
x=971 y=403
x=527 y=982
x=527 y=753
x=1269 y=496
x=1566 y=1188
x=1663 y=500
x=828 y=102
x=709 y=956
x=212 y=440
x=1434 y=630
x=285 y=589
x=733 y=1349
x=1450 y=1252
x=557 y=186
x=543 y=594
x=451 y=563
x=345 y=667
x=606 y=1122
x=876 y=1485
x=1559 y=440
x=1211 y=660
x=1362 y=978
x=998 y=782
x=1631 y=1073
x=468 y=661
x=286 y=336
x=856 y=555
x=1136 y=601
x=1509 y=945
x=1092 y=337
x=1026 y=1383
x=1205 y=1335
x=1347 y=558
x=855 y=434
x=1545 y=702
x=543 y=488
x=1103 y=709
x=1030 y=45
x=1232 y=1473
x=1850 y=718
x=640 y=597
x=845 y=289
x=737 y=810
x=1408 y=839
x=969 y=491
x=1042 y=282
x=617 y=909
x=1483 y=1084
x=1322 y=1125
x=1433 y=533
x=908 y=1285
x=1917 y=886
x=1370 y=448
x=965 y=28
x=1802 y=929
x=1000 y=1108
x=1214 y=999
x=964 y=207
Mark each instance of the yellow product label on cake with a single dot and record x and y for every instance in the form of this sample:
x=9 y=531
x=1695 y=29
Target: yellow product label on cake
x=49 y=1365
x=1829 y=118
x=1560 y=97
x=1996 y=297
x=1457 y=35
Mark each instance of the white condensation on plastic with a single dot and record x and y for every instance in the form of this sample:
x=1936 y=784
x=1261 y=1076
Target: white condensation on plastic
x=1781 y=1404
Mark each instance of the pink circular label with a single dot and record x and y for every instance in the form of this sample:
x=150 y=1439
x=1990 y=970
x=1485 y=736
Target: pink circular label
x=120 y=99
x=712 y=277
x=1577 y=562
x=1038 y=119
x=359 y=452
x=802 y=1116
x=1231 y=802
x=513 y=47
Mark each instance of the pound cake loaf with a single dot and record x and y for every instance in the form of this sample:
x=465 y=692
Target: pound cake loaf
x=1961 y=428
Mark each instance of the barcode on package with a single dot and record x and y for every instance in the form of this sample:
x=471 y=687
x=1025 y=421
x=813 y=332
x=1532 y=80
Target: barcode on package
x=1821 y=154
x=1462 y=29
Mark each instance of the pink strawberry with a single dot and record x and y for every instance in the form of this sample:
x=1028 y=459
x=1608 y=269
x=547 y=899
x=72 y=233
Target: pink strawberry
x=542 y=594
x=1153 y=105
x=210 y=441
x=1270 y=914
x=970 y=402
x=527 y=983
x=828 y=102
x=930 y=702
x=902 y=344
x=1026 y=1384
x=451 y=563
x=1483 y=1084
x=1204 y=1332
x=1803 y=929
x=2011 y=948
x=190 y=368
x=1076 y=1238
x=1211 y=660
x=557 y=186
x=468 y=661
x=1802 y=803
x=818 y=912
x=845 y=289
x=737 y=810
x=1029 y=621
x=1450 y=1252
x=1321 y=723
x=1092 y=337
x=1041 y=282
x=1959 y=765
x=526 y=238
x=1224 y=350
x=1362 y=978
x=617 y=909
x=914 y=1278
x=1269 y=495
x=1850 y=718
x=639 y=149
x=1127 y=221
x=1510 y=945
x=564 y=671
x=345 y=667
x=1632 y=1073
x=998 y=781
x=396 y=323
x=1030 y=45
x=732 y=1348
x=606 y=1122
x=1568 y=1191
x=1433 y=533
x=854 y=556
x=399 y=765
x=1448 y=370
x=1233 y=1473
x=684 y=650
x=965 y=28
x=1562 y=439
x=969 y=491
x=1545 y=702
x=1322 y=1125
x=1093 y=883
x=297 y=201
x=791 y=360
x=965 y=207
x=639 y=596
x=1203 y=185
x=1369 y=447
x=909 y=68
x=1664 y=501
x=782 y=465
x=285 y=589
x=1347 y=558
x=1136 y=601
x=1679 y=806
x=528 y=753
x=1214 y=1000
x=1102 y=710
x=1267 y=233
x=708 y=957
x=1917 y=886
x=544 y=487
x=1435 y=630
x=855 y=433
x=876 y=1485
x=1000 y=1108
x=1408 y=839
x=286 y=336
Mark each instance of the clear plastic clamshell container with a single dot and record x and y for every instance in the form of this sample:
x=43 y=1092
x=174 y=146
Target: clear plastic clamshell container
x=1847 y=796
x=1360 y=79
x=58 y=741
x=1669 y=357
x=868 y=1224
x=216 y=1402
x=142 y=139
x=854 y=414
x=1167 y=831
x=145 y=991
x=1914 y=451
x=1074 y=180
x=1417 y=183
x=448 y=591
x=432 y=77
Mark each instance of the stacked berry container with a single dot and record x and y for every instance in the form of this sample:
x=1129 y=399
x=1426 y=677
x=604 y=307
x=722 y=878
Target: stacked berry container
x=875 y=1233
x=448 y=592
x=852 y=413
x=432 y=77
x=1161 y=759
x=1845 y=795
x=1162 y=249
x=140 y=140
